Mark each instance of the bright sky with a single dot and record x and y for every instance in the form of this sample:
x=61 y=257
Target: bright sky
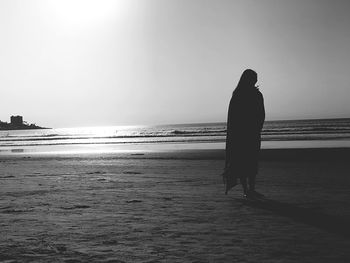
x=67 y=63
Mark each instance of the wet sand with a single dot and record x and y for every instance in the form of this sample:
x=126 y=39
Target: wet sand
x=171 y=207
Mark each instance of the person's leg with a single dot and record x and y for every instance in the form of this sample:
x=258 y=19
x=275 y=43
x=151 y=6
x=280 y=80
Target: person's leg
x=251 y=182
x=252 y=192
x=244 y=185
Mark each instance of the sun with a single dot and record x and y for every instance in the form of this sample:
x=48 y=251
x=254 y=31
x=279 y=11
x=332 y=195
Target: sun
x=82 y=13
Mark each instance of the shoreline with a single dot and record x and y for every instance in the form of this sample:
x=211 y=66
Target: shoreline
x=273 y=154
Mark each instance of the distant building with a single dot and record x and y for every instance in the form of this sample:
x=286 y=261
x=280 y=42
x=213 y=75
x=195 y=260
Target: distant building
x=16 y=120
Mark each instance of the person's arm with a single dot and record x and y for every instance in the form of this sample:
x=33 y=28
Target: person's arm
x=261 y=111
x=228 y=135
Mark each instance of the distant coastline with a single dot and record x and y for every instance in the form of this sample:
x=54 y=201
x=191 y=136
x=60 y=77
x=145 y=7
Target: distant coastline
x=17 y=123
x=4 y=126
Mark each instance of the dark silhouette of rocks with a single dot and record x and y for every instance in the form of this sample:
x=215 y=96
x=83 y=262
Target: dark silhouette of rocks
x=17 y=123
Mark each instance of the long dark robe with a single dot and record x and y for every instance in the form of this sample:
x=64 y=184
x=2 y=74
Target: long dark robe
x=245 y=120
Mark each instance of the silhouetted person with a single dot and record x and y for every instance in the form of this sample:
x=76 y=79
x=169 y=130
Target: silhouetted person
x=245 y=120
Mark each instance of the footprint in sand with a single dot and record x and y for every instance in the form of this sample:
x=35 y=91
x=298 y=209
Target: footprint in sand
x=131 y=172
x=133 y=201
x=75 y=207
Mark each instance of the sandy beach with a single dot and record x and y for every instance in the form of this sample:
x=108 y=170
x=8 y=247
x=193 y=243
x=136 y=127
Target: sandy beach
x=170 y=207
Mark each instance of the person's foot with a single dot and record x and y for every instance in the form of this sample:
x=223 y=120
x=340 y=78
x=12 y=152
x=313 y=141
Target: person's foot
x=248 y=195
x=245 y=194
x=255 y=194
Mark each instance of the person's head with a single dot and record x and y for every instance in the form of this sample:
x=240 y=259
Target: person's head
x=248 y=80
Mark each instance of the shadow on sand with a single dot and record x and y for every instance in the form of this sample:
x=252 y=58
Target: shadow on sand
x=334 y=224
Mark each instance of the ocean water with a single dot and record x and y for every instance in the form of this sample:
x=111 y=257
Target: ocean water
x=333 y=131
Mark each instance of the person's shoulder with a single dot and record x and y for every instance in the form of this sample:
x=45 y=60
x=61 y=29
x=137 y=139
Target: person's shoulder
x=259 y=96
x=258 y=93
